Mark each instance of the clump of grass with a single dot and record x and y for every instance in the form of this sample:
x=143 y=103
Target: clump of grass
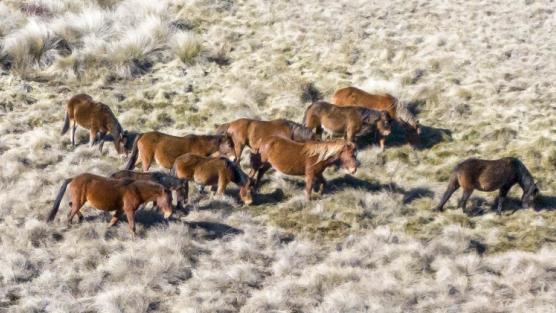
x=186 y=46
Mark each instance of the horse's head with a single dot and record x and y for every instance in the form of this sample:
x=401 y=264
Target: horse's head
x=246 y=192
x=164 y=202
x=384 y=125
x=226 y=147
x=348 y=157
x=529 y=196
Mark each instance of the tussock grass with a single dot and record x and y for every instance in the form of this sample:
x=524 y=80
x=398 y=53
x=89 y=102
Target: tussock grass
x=478 y=75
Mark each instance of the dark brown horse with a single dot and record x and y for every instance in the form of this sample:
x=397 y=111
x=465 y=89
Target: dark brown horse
x=164 y=148
x=352 y=96
x=207 y=171
x=94 y=116
x=168 y=181
x=249 y=132
x=350 y=121
x=309 y=159
x=490 y=175
x=107 y=194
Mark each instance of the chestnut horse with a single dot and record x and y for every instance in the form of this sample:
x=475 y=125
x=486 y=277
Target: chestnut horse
x=249 y=132
x=213 y=172
x=350 y=121
x=168 y=181
x=351 y=96
x=107 y=194
x=490 y=175
x=309 y=158
x=94 y=116
x=166 y=148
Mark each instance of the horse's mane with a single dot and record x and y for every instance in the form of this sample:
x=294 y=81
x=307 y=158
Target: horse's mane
x=298 y=129
x=240 y=177
x=525 y=177
x=323 y=150
x=404 y=114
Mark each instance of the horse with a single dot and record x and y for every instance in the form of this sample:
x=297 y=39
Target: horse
x=352 y=96
x=166 y=148
x=490 y=175
x=96 y=117
x=350 y=121
x=212 y=171
x=107 y=194
x=308 y=159
x=249 y=132
x=168 y=181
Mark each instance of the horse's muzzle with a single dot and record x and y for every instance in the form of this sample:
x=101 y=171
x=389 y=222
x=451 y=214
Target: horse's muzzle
x=167 y=215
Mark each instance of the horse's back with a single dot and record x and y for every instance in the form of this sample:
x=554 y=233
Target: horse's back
x=487 y=175
x=352 y=96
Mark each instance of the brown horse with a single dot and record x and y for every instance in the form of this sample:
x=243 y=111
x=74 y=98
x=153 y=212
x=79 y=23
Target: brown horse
x=351 y=96
x=107 y=194
x=94 y=116
x=213 y=172
x=350 y=121
x=166 y=148
x=309 y=158
x=249 y=132
x=490 y=175
x=168 y=181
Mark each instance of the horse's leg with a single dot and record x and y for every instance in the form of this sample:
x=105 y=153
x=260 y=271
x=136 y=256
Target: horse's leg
x=115 y=218
x=75 y=207
x=350 y=133
x=222 y=182
x=381 y=141
x=453 y=185
x=74 y=127
x=130 y=214
x=92 y=136
x=255 y=163
x=501 y=197
x=102 y=137
x=238 y=151
x=464 y=197
x=309 y=177
x=262 y=170
x=146 y=161
x=321 y=183
x=79 y=216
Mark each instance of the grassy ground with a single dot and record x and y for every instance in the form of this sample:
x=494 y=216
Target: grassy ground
x=480 y=75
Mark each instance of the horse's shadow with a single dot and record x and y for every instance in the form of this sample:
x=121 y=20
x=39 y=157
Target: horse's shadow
x=480 y=206
x=417 y=193
x=348 y=181
x=213 y=230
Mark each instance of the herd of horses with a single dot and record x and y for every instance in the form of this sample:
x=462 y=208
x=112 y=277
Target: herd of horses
x=291 y=148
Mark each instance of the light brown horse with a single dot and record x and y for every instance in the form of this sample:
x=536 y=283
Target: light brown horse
x=166 y=148
x=352 y=96
x=94 y=116
x=490 y=175
x=207 y=171
x=309 y=158
x=249 y=132
x=107 y=194
x=350 y=121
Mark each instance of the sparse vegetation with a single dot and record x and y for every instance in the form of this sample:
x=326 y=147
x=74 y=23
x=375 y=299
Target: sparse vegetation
x=480 y=73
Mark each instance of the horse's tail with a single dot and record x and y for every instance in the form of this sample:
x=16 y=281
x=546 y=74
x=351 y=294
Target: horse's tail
x=222 y=129
x=58 y=200
x=134 y=154
x=66 y=126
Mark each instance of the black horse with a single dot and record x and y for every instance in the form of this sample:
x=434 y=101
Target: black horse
x=490 y=175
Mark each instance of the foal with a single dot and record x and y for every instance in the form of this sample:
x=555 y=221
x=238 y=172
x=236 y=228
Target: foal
x=490 y=175
x=94 y=116
x=107 y=194
x=308 y=159
x=213 y=172
x=350 y=121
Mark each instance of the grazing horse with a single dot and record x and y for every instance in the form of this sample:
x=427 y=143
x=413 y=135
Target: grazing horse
x=168 y=181
x=309 y=158
x=166 y=148
x=490 y=175
x=107 y=194
x=351 y=96
x=94 y=116
x=213 y=172
x=249 y=132
x=350 y=121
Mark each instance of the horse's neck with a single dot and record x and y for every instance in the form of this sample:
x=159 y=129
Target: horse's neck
x=524 y=178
